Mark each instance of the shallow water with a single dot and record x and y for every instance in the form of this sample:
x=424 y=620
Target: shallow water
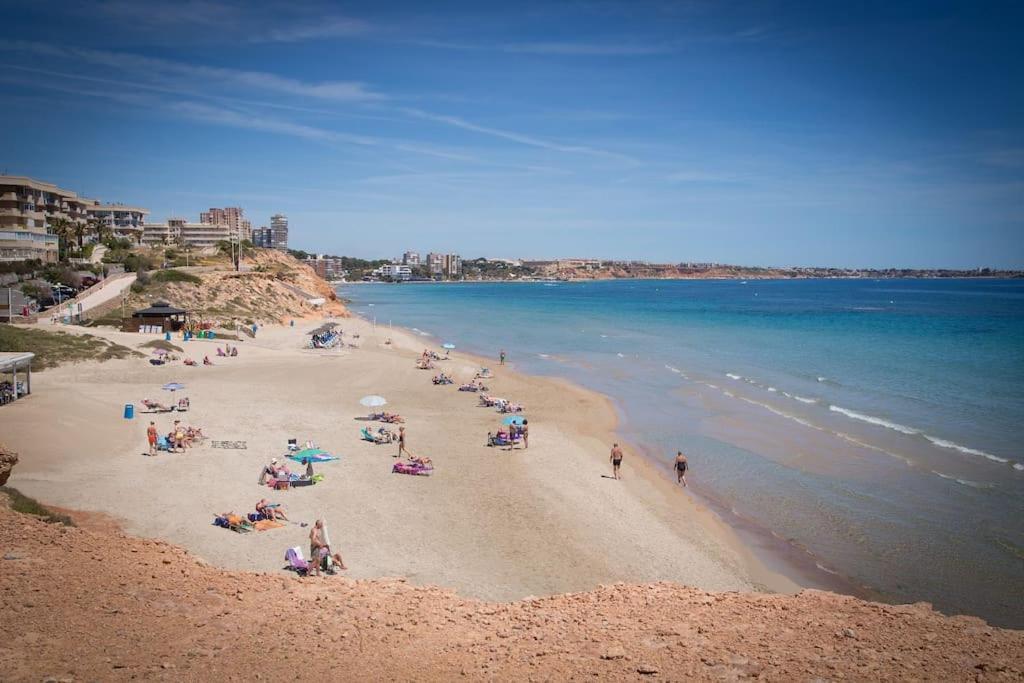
x=875 y=424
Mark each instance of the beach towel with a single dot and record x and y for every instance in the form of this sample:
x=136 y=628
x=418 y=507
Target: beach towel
x=313 y=455
x=411 y=468
x=265 y=524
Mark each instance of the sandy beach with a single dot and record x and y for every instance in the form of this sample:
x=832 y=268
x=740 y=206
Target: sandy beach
x=490 y=523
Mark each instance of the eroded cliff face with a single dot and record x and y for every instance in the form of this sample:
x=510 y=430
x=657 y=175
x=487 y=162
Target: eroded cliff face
x=8 y=459
x=77 y=604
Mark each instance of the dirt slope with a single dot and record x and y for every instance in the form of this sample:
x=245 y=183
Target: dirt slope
x=82 y=605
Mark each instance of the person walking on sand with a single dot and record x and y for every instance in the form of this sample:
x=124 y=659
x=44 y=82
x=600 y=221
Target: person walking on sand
x=681 y=466
x=616 y=458
x=401 y=443
x=501 y=357
x=151 y=436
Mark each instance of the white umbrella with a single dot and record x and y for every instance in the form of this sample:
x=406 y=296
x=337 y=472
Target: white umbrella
x=373 y=401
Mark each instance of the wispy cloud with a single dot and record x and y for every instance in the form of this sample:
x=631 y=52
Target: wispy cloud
x=244 y=21
x=344 y=91
x=699 y=177
x=580 y=49
x=513 y=136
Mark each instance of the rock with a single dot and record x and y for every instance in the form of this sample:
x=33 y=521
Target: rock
x=8 y=459
x=614 y=652
x=849 y=633
x=166 y=665
x=13 y=556
x=646 y=669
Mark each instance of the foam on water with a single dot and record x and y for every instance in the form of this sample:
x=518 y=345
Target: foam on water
x=871 y=419
x=942 y=443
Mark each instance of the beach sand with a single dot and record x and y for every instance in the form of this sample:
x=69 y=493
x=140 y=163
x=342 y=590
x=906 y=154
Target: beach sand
x=490 y=523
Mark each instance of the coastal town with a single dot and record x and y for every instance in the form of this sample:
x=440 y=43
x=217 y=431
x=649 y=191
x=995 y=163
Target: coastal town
x=55 y=242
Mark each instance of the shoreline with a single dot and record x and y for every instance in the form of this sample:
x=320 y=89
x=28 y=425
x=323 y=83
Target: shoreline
x=764 y=553
x=489 y=523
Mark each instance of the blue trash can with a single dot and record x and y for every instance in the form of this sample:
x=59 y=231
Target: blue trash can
x=167 y=336
x=129 y=411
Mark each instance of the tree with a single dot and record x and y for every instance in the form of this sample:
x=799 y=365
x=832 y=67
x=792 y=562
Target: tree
x=63 y=229
x=102 y=231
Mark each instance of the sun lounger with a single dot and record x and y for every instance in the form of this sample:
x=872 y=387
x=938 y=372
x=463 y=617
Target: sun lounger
x=412 y=468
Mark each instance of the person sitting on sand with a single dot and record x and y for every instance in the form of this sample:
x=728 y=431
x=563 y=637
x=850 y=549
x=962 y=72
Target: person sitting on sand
x=318 y=549
x=234 y=351
x=207 y=361
x=179 y=437
x=271 y=511
x=268 y=471
x=190 y=362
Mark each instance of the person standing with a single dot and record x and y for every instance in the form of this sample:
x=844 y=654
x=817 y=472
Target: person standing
x=151 y=436
x=501 y=357
x=681 y=466
x=525 y=431
x=616 y=458
x=401 y=443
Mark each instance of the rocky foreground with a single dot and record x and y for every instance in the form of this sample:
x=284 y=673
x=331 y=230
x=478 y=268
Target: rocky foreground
x=84 y=605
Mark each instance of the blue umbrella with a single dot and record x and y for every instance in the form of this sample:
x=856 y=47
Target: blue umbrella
x=448 y=345
x=513 y=420
x=173 y=386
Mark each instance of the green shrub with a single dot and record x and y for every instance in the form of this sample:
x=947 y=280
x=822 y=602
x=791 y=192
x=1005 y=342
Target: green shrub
x=175 y=276
x=30 y=506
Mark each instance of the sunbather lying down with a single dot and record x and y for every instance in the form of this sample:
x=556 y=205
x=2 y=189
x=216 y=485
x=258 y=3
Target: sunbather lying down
x=387 y=417
x=156 y=406
x=271 y=511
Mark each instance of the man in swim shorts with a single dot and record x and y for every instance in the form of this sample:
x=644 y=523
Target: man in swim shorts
x=616 y=458
x=680 y=468
x=151 y=435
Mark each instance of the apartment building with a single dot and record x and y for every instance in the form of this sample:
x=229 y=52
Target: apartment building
x=279 y=232
x=327 y=267
x=123 y=220
x=451 y=266
x=435 y=264
x=28 y=209
x=411 y=258
x=179 y=232
x=231 y=216
x=394 y=271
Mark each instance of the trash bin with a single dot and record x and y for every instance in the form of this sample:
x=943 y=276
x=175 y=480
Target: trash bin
x=129 y=411
x=167 y=336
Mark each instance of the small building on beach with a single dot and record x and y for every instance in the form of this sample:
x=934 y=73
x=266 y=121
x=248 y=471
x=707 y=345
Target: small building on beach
x=13 y=364
x=160 y=317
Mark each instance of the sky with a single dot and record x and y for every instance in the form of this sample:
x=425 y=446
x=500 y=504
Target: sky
x=864 y=134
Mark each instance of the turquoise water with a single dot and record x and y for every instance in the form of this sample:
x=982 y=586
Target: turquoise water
x=872 y=425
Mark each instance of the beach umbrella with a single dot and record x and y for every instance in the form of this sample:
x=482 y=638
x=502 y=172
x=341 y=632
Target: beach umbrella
x=448 y=345
x=373 y=401
x=173 y=386
x=512 y=420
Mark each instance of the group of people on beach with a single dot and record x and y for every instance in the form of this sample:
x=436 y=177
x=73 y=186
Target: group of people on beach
x=178 y=439
x=679 y=465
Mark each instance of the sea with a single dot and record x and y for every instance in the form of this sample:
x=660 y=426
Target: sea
x=859 y=433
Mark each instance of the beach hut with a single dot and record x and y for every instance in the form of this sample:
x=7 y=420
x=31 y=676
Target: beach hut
x=11 y=364
x=159 y=318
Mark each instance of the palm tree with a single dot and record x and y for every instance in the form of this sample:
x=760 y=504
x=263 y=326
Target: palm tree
x=63 y=229
x=102 y=231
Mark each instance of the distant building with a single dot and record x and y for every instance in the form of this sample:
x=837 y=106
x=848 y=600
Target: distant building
x=435 y=264
x=28 y=209
x=452 y=266
x=327 y=267
x=261 y=237
x=279 y=232
x=122 y=220
x=411 y=258
x=231 y=216
x=179 y=232
x=394 y=271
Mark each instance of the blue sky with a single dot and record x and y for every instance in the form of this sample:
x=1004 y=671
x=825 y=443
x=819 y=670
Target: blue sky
x=767 y=133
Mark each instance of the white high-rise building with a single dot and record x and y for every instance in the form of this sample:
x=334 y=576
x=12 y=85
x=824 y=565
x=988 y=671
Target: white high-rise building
x=278 y=232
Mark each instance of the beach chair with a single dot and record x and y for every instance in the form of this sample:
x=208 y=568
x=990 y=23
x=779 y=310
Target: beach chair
x=282 y=484
x=183 y=404
x=293 y=445
x=296 y=563
x=367 y=435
